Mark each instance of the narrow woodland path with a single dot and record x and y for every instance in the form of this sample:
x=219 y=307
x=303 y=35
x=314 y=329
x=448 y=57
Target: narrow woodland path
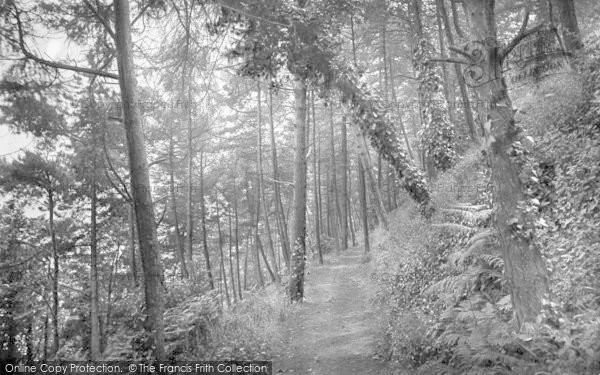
x=337 y=328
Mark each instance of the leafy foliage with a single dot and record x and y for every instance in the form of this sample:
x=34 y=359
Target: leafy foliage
x=438 y=136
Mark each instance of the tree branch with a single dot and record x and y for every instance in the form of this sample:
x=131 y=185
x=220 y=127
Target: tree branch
x=452 y=60
x=101 y=19
x=54 y=64
x=141 y=13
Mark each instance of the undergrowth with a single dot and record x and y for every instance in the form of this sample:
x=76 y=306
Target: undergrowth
x=449 y=307
x=201 y=327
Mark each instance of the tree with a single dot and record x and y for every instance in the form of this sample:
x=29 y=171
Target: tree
x=525 y=270
x=296 y=287
x=570 y=27
x=47 y=176
x=140 y=180
x=177 y=234
x=310 y=49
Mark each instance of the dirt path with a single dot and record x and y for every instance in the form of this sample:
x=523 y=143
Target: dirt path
x=337 y=329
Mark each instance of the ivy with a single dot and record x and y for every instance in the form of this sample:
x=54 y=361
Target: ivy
x=438 y=138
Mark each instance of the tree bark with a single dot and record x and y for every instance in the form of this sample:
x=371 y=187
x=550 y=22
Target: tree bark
x=211 y=282
x=132 y=230
x=140 y=180
x=316 y=188
x=296 y=288
x=95 y=348
x=525 y=270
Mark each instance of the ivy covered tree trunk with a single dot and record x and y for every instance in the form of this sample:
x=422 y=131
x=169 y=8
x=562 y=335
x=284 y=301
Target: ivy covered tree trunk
x=437 y=138
x=140 y=180
x=524 y=267
x=296 y=286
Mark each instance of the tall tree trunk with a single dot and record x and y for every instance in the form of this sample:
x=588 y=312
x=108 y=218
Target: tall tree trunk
x=140 y=180
x=319 y=190
x=525 y=270
x=11 y=303
x=231 y=274
x=464 y=93
x=94 y=304
x=259 y=276
x=344 y=168
x=55 y=263
x=375 y=192
x=329 y=209
x=446 y=84
x=222 y=260
x=296 y=288
x=316 y=188
x=178 y=241
x=264 y=256
x=281 y=220
x=261 y=185
x=363 y=204
x=211 y=282
x=349 y=207
x=336 y=201
x=248 y=250
x=237 y=241
x=132 y=257
x=45 y=340
x=189 y=192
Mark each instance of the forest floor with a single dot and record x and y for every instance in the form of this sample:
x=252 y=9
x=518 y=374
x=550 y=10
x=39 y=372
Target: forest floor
x=338 y=327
